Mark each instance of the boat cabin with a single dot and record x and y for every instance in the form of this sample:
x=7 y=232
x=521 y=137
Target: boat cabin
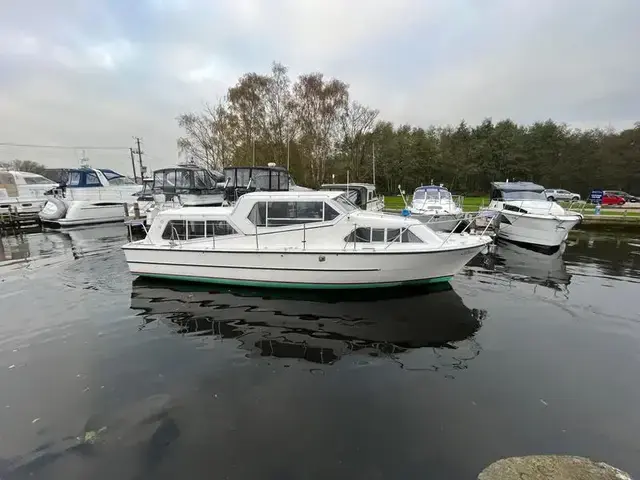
x=432 y=193
x=186 y=179
x=362 y=194
x=85 y=177
x=286 y=219
x=270 y=178
x=517 y=191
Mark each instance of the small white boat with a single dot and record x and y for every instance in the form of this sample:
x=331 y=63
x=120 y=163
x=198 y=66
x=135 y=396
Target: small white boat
x=298 y=240
x=23 y=192
x=434 y=204
x=527 y=217
x=87 y=196
x=363 y=195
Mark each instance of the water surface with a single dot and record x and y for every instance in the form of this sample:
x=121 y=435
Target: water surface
x=104 y=376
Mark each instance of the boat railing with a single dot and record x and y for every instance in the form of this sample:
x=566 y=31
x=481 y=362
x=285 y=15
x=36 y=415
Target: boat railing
x=467 y=227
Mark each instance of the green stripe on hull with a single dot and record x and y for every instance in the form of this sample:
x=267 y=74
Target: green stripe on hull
x=308 y=286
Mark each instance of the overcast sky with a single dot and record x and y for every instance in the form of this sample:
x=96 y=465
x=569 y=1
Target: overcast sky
x=78 y=72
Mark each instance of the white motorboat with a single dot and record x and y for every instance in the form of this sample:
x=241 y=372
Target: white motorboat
x=527 y=217
x=298 y=240
x=363 y=195
x=87 y=196
x=434 y=204
x=23 y=192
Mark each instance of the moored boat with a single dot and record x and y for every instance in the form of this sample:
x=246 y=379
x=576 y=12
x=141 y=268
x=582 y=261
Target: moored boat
x=434 y=204
x=298 y=240
x=363 y=195
x=23 y=192
x=87 y=196
x=527 y=217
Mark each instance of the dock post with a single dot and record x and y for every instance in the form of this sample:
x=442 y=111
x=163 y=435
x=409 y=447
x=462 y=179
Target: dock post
x=136 y=210
x=126 y=209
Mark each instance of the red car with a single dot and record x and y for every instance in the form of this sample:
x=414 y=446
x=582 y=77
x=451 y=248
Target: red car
x=609 y=198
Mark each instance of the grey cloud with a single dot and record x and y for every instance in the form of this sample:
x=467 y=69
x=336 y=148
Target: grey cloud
x=418 y=62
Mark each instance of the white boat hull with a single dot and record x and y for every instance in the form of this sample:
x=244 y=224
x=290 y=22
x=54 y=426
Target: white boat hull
x=81 y=212
x=547 y=231
x=23 y=206
x=297 y=268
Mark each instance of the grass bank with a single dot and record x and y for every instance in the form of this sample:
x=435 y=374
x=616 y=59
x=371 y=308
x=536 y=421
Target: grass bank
x=472 y=204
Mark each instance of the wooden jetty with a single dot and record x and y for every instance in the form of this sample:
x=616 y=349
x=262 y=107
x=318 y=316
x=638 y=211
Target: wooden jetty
x=14 y=223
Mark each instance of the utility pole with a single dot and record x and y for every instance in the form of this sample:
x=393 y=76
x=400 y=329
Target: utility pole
x=139 y=152
x=288 y=143
x=133 y=165
x=254 y=152
x=373 y=151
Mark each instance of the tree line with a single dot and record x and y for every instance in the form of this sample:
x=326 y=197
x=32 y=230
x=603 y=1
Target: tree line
x=313 y=125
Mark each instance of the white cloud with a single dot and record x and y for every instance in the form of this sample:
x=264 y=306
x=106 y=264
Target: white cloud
x=98 y=73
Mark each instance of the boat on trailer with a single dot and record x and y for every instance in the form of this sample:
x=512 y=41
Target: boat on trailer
x=316 y=239
x=364 y=195
x=527 y=217
x=87 y=196
x=434 y=204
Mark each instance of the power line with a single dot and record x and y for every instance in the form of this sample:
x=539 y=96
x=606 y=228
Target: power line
x=64 y=147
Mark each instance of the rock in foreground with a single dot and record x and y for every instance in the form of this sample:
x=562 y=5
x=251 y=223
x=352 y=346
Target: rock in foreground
x=551 y=467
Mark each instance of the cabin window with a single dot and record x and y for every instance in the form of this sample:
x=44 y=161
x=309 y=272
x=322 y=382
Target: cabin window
x=35 y=180
x=74 y=179
x=219 y=227
x=258 y=214
x=92 y=179
x=175 y=230
x=292 y=213
x=409 y=237
x=330 y=213
x=377 y=234
x=393 y=234
x=170 y=178
x=261 y=181
x=359 y=235
x=362 y=234
x=275 y=183
x=496 y=195
x=370 y=195
x=183 y=179
x=195 y=229
x=283 y=181
x=242 y=177
x=7 y=179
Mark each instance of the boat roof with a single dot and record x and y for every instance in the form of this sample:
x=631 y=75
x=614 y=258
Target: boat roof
x=432 y=187
x=344 y=185
x=257 y=167
x=292 y=194
x=517 y=186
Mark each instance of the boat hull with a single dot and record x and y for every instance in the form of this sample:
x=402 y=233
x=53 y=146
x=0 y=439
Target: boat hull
x=545 y=231
x=80 y=212
x=298 y=268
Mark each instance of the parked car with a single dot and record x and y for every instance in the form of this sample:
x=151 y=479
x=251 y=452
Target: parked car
x=610 y=198
x=625 y=195
x=559 y=194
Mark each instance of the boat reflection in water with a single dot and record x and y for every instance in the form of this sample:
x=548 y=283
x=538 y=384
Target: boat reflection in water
x=319 y=327
x=530 y=266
